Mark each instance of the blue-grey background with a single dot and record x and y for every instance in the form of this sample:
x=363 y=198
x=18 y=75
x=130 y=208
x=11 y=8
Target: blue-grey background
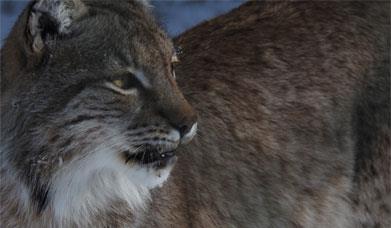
x=174 y=16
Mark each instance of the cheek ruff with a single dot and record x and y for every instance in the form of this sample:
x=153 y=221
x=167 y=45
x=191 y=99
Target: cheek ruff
x=106 y=173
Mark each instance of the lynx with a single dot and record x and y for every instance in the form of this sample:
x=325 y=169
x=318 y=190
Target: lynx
x=292 y=101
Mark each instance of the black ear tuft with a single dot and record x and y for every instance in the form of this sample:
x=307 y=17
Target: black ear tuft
x=52 y=17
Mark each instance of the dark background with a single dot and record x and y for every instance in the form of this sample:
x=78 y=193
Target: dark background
x=174 y=16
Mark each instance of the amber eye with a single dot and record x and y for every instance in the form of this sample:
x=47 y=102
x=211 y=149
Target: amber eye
x=126 y=82
x=119 y=83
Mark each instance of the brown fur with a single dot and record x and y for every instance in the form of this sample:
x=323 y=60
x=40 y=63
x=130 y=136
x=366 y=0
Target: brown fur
x=294 y=106
x=294 y=113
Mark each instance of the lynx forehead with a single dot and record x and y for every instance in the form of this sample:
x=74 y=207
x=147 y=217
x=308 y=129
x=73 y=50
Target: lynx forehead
x=91 y=112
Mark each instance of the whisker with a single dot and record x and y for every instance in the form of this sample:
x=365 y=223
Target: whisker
x=134 y=151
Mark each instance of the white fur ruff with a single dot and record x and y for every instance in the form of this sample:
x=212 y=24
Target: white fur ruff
x=88 y=184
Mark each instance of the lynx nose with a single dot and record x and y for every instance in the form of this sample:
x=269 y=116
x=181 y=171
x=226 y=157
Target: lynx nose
x=179 y=114
x=189 y=134
x=186 y=128
x=184 y=120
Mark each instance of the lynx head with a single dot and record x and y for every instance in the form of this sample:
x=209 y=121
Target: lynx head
x=91 y=113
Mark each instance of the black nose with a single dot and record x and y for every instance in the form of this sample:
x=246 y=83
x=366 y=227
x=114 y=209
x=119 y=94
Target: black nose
x=182 y=121
x=185 y=124
x=183 y=130
x=178 y=113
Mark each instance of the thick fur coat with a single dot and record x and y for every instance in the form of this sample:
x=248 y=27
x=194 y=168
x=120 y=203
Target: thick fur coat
x=293 y=103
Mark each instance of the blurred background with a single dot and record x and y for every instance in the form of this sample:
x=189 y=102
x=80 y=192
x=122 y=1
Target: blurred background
x=174 y=16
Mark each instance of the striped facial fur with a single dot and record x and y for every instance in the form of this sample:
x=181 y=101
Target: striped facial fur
x=91 y=113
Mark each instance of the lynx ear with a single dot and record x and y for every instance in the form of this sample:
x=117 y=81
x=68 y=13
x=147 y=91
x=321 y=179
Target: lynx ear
x=50 y=18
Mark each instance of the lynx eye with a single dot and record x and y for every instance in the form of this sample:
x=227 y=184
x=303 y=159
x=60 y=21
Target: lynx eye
x=119 y=83
x=125 y=84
